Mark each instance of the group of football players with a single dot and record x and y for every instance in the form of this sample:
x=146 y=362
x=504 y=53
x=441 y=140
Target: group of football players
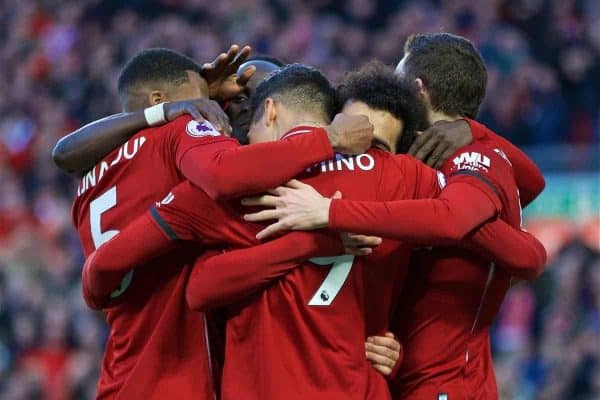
x=253 y=232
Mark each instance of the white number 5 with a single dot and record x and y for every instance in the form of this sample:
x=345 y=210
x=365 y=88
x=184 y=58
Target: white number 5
x=334 y=280
x=102 y=203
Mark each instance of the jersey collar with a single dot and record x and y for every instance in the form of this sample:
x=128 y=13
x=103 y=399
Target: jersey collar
x=298 y=130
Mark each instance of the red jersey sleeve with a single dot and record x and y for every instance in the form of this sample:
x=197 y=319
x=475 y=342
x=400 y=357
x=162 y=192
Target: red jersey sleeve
x=405 y=177
x=472 y=196
x=223 y=168
x=105 y=268
x=529 y=178
x=225 y=278
x=514 y=249
x=188 y=213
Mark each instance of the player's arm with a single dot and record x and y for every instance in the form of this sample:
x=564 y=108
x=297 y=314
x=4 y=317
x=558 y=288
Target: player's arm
x=468 y=200
x=229 y=277
x=82 y=149
x=225 y=169
x=443 y=138
x=515 y=250
x=132 y=247
x=528 y=176
x=186 y=213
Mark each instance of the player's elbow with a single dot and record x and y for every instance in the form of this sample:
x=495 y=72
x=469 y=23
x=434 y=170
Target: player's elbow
x=91 y=300
x=538 y=261
x=535 y=186
x=453 y=232
x=61 y=157
x=198 y=297
x=530 y=267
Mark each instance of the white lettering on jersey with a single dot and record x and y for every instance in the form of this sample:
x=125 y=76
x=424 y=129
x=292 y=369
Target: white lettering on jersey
x=201 y=129
x=362 y=162
x=472 y=161
x=503 y=155
x=126 y=152
x=168 y=199
x=441 y=179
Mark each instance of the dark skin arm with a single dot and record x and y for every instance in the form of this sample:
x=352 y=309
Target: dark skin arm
x=437 y=143
x=82 y=149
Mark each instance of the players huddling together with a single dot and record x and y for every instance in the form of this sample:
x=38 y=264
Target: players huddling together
x=253 y=232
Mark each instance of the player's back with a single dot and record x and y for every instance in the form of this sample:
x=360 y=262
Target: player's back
x=148 y=317
x=304 y=336
x=446 y=309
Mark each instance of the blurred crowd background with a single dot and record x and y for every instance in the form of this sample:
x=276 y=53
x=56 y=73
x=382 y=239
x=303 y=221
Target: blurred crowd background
x=59 y=62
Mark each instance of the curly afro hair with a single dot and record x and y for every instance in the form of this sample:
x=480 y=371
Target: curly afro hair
x=376 y=85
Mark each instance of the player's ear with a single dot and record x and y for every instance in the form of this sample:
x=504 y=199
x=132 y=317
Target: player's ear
x=422 y=91
x=420 y=87
x=157 y=97
x=270 y=111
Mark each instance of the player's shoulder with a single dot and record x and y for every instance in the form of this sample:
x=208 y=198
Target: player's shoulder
x=479 y=153
x=400 y=161
x=178 y=124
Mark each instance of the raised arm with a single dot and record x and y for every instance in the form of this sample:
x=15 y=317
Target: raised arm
x=226 y=278
x=82 y=149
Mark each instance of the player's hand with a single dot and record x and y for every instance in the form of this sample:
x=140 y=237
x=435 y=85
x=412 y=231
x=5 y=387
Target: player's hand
x=200 y=109
x=437 y=143
x=235 y=85
x=359 y=245
x=223 y=82
x=383 y=352
x=350 y=134
x=295 y=206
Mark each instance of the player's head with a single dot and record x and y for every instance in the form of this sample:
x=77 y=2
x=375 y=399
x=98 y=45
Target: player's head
x=293 y=95
x=391 y=103
x=154 y=76
x=448 y=71
x=238 y=108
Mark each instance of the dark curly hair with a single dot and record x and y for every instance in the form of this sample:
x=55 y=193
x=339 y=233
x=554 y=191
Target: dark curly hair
x=376 y=85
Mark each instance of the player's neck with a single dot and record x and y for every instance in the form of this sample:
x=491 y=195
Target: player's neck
x=307 y=120
x=436 y=116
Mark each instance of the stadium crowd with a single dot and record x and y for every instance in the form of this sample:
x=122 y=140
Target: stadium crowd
x=60 y=60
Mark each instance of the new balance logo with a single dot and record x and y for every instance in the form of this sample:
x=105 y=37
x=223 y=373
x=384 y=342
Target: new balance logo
x=502 y=154
x=471 y=160
x=168 y=198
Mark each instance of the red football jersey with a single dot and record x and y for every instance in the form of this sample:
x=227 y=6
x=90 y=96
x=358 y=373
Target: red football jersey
x=141 y=358
x=452 y=295
x=303 y=337
x=157 y=346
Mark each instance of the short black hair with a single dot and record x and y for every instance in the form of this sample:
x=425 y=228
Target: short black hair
x=155 y=65
x=451 y=69
x=299 y=86
x=376 y=85
x=270 y=59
